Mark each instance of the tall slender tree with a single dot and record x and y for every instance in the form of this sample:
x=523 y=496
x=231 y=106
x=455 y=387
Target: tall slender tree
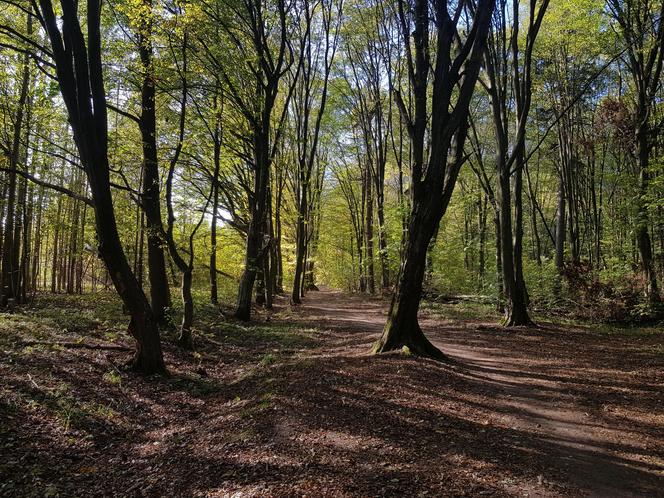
x=509 y=75
x=78 y=61
x=317 y=50
x=641 y=25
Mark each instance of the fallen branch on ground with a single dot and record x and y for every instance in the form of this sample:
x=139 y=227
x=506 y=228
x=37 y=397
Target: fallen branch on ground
x=76 y=345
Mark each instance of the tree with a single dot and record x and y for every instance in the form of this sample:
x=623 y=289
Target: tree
x=78 y=61
x=449 y=77
x=367 y=57
x=317 y=50
x=150 y=198
x=10 y=287
x=641 y=26
x=505 y=65
x=260 y=56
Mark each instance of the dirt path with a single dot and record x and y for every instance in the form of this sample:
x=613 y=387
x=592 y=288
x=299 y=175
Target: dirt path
x=593 y=411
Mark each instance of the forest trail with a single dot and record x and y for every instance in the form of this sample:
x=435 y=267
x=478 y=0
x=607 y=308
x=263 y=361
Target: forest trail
x=566 y=391
x=292 y=404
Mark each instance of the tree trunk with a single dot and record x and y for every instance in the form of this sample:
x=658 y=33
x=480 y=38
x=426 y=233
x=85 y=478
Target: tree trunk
x=254 y=251
x=642 y=235
x=159 y=288
x=85 y=97
x=482 y=217
x=185 y=339
x=10 y=272
x=300 y=239
x=278 y=268
x=143 y=326
x=516 y=312
x=499 y=262
x=371 y=275
x=214 y=298
x=382 y=244
x=560 y=228
x=402 y=327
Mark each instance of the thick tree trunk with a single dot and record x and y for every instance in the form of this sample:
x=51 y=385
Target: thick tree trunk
x=516 y=312
x=83 y=91
x=254 y=251
x=245 y=289
x=520 y=283
x=143 y=326
x=402 y=327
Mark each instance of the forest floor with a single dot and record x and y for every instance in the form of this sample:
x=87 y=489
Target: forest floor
x=293 y=405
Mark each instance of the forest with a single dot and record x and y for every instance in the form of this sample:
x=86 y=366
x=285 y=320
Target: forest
x=331 y=248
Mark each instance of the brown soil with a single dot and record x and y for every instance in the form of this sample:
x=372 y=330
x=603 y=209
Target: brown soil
x=546 y=411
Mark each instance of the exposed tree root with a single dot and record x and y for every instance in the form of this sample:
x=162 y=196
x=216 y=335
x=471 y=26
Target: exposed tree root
x=415 y=341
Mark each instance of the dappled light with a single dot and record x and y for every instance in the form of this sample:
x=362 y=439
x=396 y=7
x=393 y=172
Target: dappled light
x=345 y=248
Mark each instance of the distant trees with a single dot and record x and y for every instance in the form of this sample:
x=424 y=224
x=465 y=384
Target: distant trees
x=11 y=284
x=367 y=57
x=318 y=37
x=263 y=55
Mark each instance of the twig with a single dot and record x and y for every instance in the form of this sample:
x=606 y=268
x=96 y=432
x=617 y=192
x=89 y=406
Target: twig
x=76 y=345
x=33 y=382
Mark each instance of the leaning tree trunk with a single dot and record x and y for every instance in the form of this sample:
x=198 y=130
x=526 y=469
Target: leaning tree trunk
x=402 y=328
x=80 y=77
x=432 y=190
x=143 y=326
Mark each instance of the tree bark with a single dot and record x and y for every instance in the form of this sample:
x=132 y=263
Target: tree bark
x=150 y=200
x=402 y=328
x=87 y=116
x=9 y=287
x=432 y=188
